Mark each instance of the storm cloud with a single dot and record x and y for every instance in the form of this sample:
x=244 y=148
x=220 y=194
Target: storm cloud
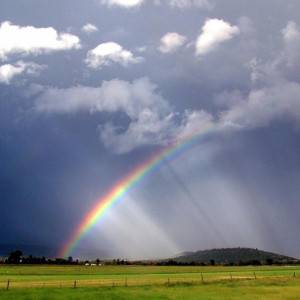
x=91 y=92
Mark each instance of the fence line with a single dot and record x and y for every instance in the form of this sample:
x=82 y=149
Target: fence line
x=134 y=281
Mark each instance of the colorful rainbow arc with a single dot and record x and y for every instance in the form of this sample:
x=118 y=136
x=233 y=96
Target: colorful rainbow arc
x=130 y=180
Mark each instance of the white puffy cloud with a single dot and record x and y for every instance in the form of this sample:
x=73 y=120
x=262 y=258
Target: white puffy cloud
x=122 y=3
x=89 y=28
x=149 y=128
x=153 y=128
x=112 y=96
x=171 y=41
x=214 y=32
x=9 y=71
x=291 y=36
x=266 y=105
x=147 y=110
x=274 y=96
x=151 y=118
x=28 y=40
x=107 y=53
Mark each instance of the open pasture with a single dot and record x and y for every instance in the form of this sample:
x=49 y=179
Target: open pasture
x=149 y=282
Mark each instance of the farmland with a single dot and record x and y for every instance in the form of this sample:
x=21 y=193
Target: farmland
x=149 y=282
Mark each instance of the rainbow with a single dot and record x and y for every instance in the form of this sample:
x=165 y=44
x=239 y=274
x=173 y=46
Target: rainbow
x=130 y=180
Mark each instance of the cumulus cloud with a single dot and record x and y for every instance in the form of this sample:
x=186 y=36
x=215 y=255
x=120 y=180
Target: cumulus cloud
x=112 y=96
x=107 y=53
x=152 y=120
x=266 y=105
x=171 y=41
x=150 y=128
x=214 y=32
x=28 y=40
x=9 y=71
x=89 y=28
x=274 y=96
x=149 y=112
x=122 y=3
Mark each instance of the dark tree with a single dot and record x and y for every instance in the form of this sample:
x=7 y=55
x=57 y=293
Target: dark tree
x=30 y=259
x=15 y=257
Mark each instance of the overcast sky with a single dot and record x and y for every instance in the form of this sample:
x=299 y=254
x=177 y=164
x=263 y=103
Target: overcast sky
x=89 y=89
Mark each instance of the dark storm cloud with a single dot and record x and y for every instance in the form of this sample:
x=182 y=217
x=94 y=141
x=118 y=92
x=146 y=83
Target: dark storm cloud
x=90 y=89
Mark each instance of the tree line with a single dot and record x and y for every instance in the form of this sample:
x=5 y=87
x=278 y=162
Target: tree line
x=16 y=257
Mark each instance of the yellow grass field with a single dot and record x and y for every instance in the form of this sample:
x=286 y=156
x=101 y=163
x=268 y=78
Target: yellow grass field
x=149 y=282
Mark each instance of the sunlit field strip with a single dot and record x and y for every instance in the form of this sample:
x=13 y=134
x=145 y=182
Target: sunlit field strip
x=37 y=270
x=123 y=282
x=98 y=280
x=235 y=274
x=261 y=289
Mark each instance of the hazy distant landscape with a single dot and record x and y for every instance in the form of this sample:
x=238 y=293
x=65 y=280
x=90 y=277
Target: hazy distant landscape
x=225 y=256
x=149 y=146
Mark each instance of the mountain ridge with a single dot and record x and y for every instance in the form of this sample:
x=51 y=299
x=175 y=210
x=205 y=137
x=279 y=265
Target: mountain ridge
x=230 y=256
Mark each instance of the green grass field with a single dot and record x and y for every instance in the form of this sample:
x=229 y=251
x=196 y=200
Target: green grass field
x=149 y=282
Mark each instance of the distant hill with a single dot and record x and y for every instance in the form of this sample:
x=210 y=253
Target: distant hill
x=230 y=255
x=183 y=254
